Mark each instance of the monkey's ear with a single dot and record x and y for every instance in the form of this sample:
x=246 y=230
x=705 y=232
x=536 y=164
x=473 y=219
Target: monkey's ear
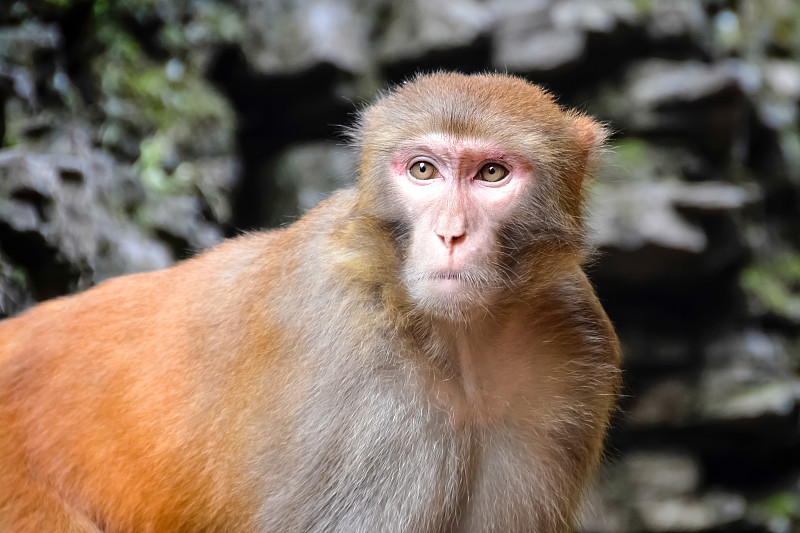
x=591 y=134
x=591 y=138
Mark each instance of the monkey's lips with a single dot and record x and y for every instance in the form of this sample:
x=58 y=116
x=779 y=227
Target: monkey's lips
x=447 y=280
x=447 y=276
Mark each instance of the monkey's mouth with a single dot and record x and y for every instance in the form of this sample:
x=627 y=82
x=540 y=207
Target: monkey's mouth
x=451 y=276
x=450 y=281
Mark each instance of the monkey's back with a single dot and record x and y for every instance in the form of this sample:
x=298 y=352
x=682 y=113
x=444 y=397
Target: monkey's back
x=100 y=392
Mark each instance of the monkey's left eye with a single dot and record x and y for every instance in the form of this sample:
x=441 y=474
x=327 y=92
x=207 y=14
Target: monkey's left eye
x=492 y=172
x=422 y=170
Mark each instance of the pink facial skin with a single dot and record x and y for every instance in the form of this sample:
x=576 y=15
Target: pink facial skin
x=455 y=215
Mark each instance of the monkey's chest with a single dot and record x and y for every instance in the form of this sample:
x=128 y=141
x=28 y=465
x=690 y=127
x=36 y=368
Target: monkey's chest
x=386 y=458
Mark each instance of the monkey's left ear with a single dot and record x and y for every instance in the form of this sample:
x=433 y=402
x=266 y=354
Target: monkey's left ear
x=591 y=138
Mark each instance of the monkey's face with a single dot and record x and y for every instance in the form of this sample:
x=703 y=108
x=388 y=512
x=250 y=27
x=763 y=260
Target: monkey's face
x=456 y=193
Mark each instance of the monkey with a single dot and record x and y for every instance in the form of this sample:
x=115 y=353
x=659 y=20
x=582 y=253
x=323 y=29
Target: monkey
x=422 y=352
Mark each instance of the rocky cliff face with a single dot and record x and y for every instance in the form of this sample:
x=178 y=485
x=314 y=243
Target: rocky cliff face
x=135 y=132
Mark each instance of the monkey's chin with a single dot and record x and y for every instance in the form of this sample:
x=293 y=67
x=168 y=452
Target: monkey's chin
x=449 y=296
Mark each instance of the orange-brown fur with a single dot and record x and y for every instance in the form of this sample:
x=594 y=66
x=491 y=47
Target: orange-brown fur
x=285 y=381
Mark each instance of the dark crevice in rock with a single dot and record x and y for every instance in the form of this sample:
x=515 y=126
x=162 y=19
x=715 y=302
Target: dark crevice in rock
x=49 y=272
x=41 y=203
x=181 y=248
x=274 y=111
x=71 y=176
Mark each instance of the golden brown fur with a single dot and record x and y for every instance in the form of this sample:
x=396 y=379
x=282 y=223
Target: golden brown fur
x=286 y=381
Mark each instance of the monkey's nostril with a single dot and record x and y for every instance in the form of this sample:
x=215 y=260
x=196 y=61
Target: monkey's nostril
x=450 y=240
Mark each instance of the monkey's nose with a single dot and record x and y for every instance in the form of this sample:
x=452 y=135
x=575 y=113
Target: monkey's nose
x=451 y=238
x=451 y=227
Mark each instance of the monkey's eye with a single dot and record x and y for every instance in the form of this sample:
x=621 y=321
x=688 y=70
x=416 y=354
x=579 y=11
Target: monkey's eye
x=492 y=172
x=422 y=170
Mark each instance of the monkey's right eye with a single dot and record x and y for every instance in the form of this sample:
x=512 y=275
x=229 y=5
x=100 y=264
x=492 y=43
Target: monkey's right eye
x=422 y=170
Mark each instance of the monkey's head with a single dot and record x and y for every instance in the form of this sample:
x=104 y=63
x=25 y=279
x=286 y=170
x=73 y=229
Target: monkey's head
x=480 y=180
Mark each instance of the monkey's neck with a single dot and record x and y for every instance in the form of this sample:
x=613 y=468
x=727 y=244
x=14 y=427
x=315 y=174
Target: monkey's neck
x=474 y=369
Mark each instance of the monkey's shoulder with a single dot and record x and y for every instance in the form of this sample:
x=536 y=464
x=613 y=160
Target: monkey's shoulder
x=569 y=311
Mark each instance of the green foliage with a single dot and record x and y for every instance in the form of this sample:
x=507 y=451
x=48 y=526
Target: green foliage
x=152 y=169
x=769 y=23
x=181 y=105
x=168 y=103
x=786 y=30
x=212 y=22
x=109 y=8
x=644 y=6
x=19 y=277
x=778 y=511
x=774 y=284
x=632 y=153
x=781 y=504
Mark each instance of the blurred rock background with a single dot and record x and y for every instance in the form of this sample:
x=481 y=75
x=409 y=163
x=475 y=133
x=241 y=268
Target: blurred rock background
x=137 y=132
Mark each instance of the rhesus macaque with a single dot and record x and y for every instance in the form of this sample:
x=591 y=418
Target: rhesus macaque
x=422 y=353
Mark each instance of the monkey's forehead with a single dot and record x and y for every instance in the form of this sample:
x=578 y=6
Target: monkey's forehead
x=509 y=91
x=485 y=105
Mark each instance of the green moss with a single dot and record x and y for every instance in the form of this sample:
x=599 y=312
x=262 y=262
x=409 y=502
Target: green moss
x=632 y=153
x=152 y=167
x=644 y=6
x=769 y=23
x=774 y=284
x=785 y=31
x=19 y=277
x=109 y=8
x=781 y=506
x=167 y=103
x=183 y=106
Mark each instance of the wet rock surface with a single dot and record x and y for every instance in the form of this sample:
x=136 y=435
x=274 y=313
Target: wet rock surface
x=135 y=134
